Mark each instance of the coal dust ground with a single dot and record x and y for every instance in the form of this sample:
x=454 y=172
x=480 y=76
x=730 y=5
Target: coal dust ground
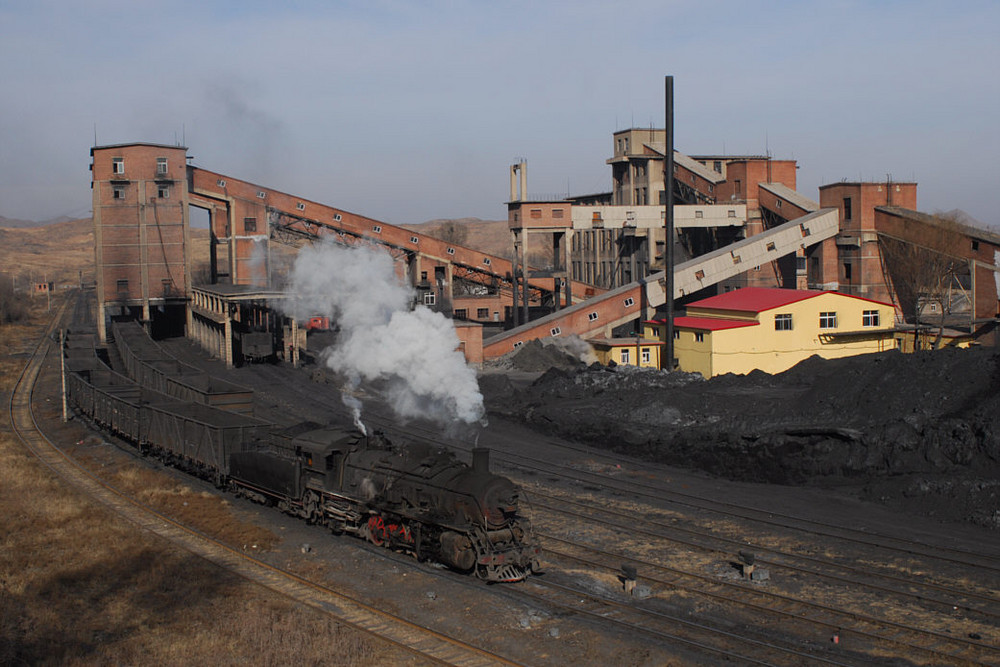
x=919 y=433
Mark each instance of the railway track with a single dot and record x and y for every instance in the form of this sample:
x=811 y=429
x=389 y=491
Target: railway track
x=692 y=637
x=983 y=607
x=880 y=635
x=784 y=614
x=345 y=608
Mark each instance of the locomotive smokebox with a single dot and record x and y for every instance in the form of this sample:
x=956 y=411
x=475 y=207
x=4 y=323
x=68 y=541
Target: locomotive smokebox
x=481 y=460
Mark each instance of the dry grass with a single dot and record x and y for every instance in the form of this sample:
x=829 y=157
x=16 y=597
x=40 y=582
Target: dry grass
x=78 y=586
x=207 y=512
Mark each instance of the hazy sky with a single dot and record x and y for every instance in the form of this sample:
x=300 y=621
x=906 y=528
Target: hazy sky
x=408 y=111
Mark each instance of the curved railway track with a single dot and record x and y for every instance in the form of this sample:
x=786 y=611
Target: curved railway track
x=345 y=608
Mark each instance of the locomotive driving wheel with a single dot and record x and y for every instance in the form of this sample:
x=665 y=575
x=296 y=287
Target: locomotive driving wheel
x=377 y=532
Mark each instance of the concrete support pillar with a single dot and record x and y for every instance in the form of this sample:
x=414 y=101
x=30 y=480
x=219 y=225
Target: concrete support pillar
x=227 y=347
x=102 y=330
x=525 y=293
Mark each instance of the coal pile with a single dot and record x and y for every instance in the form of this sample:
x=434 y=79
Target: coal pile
x=919 y=431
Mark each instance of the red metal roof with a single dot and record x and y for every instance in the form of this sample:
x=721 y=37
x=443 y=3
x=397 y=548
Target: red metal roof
x=759 y=299
x=755 y=299
x=711 y=323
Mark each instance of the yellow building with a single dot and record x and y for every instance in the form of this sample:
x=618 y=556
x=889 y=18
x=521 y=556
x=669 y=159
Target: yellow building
x=643 y=352
x=774 y=329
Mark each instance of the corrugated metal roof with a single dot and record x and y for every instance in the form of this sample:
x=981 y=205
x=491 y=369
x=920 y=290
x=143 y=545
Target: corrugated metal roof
x=759 y=299
x=755 y=299
x=711 y=323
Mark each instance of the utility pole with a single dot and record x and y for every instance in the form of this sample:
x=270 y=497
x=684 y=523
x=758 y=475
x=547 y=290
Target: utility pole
x=668 y=241
x=62 y=371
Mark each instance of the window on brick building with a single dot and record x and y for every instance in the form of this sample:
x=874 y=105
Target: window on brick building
x=460 y=313
x=717 y=166
x=122 y=285
x=847 y=271
x=118 y=165
x=738 y=185
x=847 y=208
x=482 y=313
x=430 y=299
x=161 y=165
x=118 y=192
x=163 y=191
x=249 y=225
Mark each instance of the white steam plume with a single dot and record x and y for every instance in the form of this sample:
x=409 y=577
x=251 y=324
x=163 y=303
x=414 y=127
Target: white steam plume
x=414 y=351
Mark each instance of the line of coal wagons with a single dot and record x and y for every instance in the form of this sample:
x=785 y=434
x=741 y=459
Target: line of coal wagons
x=171 y=409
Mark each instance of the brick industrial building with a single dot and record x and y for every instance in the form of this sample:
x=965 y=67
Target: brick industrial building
x=740 y=223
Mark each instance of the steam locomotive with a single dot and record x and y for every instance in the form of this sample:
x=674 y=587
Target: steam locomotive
x=416 y=499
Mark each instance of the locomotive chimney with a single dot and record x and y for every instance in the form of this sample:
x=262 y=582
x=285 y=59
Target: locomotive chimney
x=481 y=459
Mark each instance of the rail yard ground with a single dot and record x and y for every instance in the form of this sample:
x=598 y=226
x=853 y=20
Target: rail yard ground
x=833 y=444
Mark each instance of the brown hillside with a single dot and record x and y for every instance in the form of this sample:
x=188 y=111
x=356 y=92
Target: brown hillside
x=63 y=252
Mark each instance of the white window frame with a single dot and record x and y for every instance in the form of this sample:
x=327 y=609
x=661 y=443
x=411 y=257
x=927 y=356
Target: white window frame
x=783 y=322
x=163 y=191
x=430 y=298
x=161 y=165
x=624 y=355
x=828 y=319
x=646 y=356
x=118 y=165
x=870 y=318
x=555 y=331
